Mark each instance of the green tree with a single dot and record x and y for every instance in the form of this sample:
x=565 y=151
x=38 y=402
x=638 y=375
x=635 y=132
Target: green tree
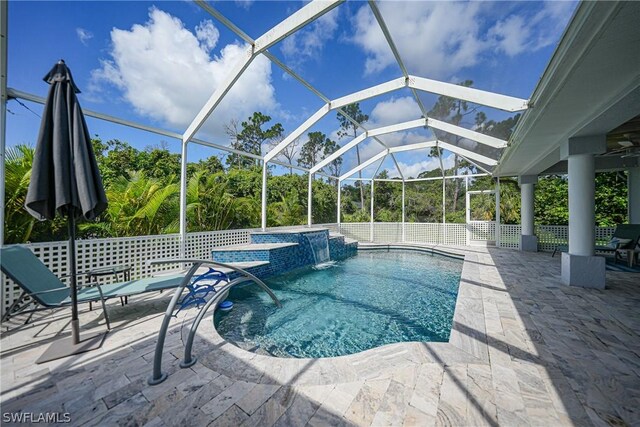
x=453 y=111
x=159 y=162
x=120 y=159
x=138 y=206
x=287 y=211
x=611 y=199
x=334 y=166
x=19 y=225
x=311 y=151
x=551 y=205
x=211 y=165
x=251 y=138
x=350 y=129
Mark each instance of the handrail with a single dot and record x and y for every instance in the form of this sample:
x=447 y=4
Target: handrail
x=158 y=376
x=189 y=360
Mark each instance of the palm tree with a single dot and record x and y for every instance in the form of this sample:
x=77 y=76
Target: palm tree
x=287 y=211
x=209 y=204
x=137 y=206
x=18 y=223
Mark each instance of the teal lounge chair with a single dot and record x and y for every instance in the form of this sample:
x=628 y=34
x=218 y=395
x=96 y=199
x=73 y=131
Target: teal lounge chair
x=625 y=237
x=42 y=287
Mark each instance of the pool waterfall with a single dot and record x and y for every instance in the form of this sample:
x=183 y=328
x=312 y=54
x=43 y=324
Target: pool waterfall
x=319 y=242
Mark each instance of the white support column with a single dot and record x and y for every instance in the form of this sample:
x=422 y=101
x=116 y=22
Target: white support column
x=444 y=211
x=528 y=239
x=339 y=203
x=309 y=201
x=581 y=204
x=263 y=215
x=183 y=201
x=404 y=235
x=497 y=232
x=371 y=228
x=579 y=266
x=3 y=108
x=467 y=211
x=633 y=195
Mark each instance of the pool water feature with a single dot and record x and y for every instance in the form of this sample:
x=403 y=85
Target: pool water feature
x=363 y=302
x=319 y=242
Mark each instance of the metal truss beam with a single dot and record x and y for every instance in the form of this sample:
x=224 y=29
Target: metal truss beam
x=13 y=93
x=477 y=96
x=396 y=53
x=218 y=95
x=310 y=12
x=357 y=140
x=371 y=92
x=398 y=127
x=302 y=17
x=397 y=165
x=466 y=133
x=468 y=154
x=434 y=178
x=298 y=132
x=363 y=165
x=416 y=146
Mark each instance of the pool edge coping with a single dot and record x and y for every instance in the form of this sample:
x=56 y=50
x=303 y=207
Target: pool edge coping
x=467 y=343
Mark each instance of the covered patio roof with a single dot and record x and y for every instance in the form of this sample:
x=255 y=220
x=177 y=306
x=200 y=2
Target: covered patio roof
x=590 y=87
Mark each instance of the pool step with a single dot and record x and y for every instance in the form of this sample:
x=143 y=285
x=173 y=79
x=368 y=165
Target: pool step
x=277 y=257
x=283 y=250
x=247 y=265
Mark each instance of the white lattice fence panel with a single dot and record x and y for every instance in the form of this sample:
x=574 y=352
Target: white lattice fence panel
x=454 y=234
x=482 y=231
x=510 y=236
x=199 y=245
x=332 y=227
x=550 y=236
x=385 y=232
x=421 y=232
x=132 y=251
x=356 y=230
x=604 y=234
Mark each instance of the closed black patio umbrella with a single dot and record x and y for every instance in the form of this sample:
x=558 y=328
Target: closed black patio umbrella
x=65 y=179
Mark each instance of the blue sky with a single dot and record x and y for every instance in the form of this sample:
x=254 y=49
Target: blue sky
x=158 y=62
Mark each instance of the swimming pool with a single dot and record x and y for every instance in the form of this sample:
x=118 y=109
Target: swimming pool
x=373 y=299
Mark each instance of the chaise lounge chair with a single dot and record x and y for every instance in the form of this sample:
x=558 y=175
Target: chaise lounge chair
x=625 y=237
x=42 y=287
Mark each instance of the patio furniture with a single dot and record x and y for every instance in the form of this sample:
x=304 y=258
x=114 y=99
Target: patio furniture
x=43 y=288
x=625 y=238
x=94 y=273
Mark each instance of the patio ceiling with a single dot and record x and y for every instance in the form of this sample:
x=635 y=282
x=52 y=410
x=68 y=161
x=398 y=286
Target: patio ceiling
x=590 y=87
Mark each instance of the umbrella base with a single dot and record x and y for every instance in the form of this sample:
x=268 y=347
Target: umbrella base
x=65 y=347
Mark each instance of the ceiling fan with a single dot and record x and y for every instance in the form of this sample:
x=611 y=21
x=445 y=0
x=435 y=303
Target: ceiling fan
x=629 y=145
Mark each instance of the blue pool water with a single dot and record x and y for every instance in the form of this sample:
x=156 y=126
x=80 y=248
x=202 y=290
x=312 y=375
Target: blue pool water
x=373 y=299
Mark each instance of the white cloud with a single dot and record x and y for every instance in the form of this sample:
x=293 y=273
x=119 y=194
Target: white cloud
x=84 y=35
x=207 y=34
x=395 y=110
x=166 y=73
x=429 y=163
x=438 y=39
x=307 y=43
x=245 y=4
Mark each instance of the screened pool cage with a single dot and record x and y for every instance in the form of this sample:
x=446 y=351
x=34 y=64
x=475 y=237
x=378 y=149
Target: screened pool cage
x=484 y=156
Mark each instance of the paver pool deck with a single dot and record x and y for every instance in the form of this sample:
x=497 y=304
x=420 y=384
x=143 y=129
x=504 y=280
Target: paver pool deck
x=524 y=350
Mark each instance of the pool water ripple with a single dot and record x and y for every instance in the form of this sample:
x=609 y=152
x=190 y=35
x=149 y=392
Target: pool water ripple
x=367 y=301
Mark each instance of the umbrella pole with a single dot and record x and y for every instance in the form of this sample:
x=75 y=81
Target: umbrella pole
x=75 y=323
x=72 y=345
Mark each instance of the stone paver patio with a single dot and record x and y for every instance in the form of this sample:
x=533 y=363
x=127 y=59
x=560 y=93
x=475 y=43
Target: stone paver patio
x=524 y=350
